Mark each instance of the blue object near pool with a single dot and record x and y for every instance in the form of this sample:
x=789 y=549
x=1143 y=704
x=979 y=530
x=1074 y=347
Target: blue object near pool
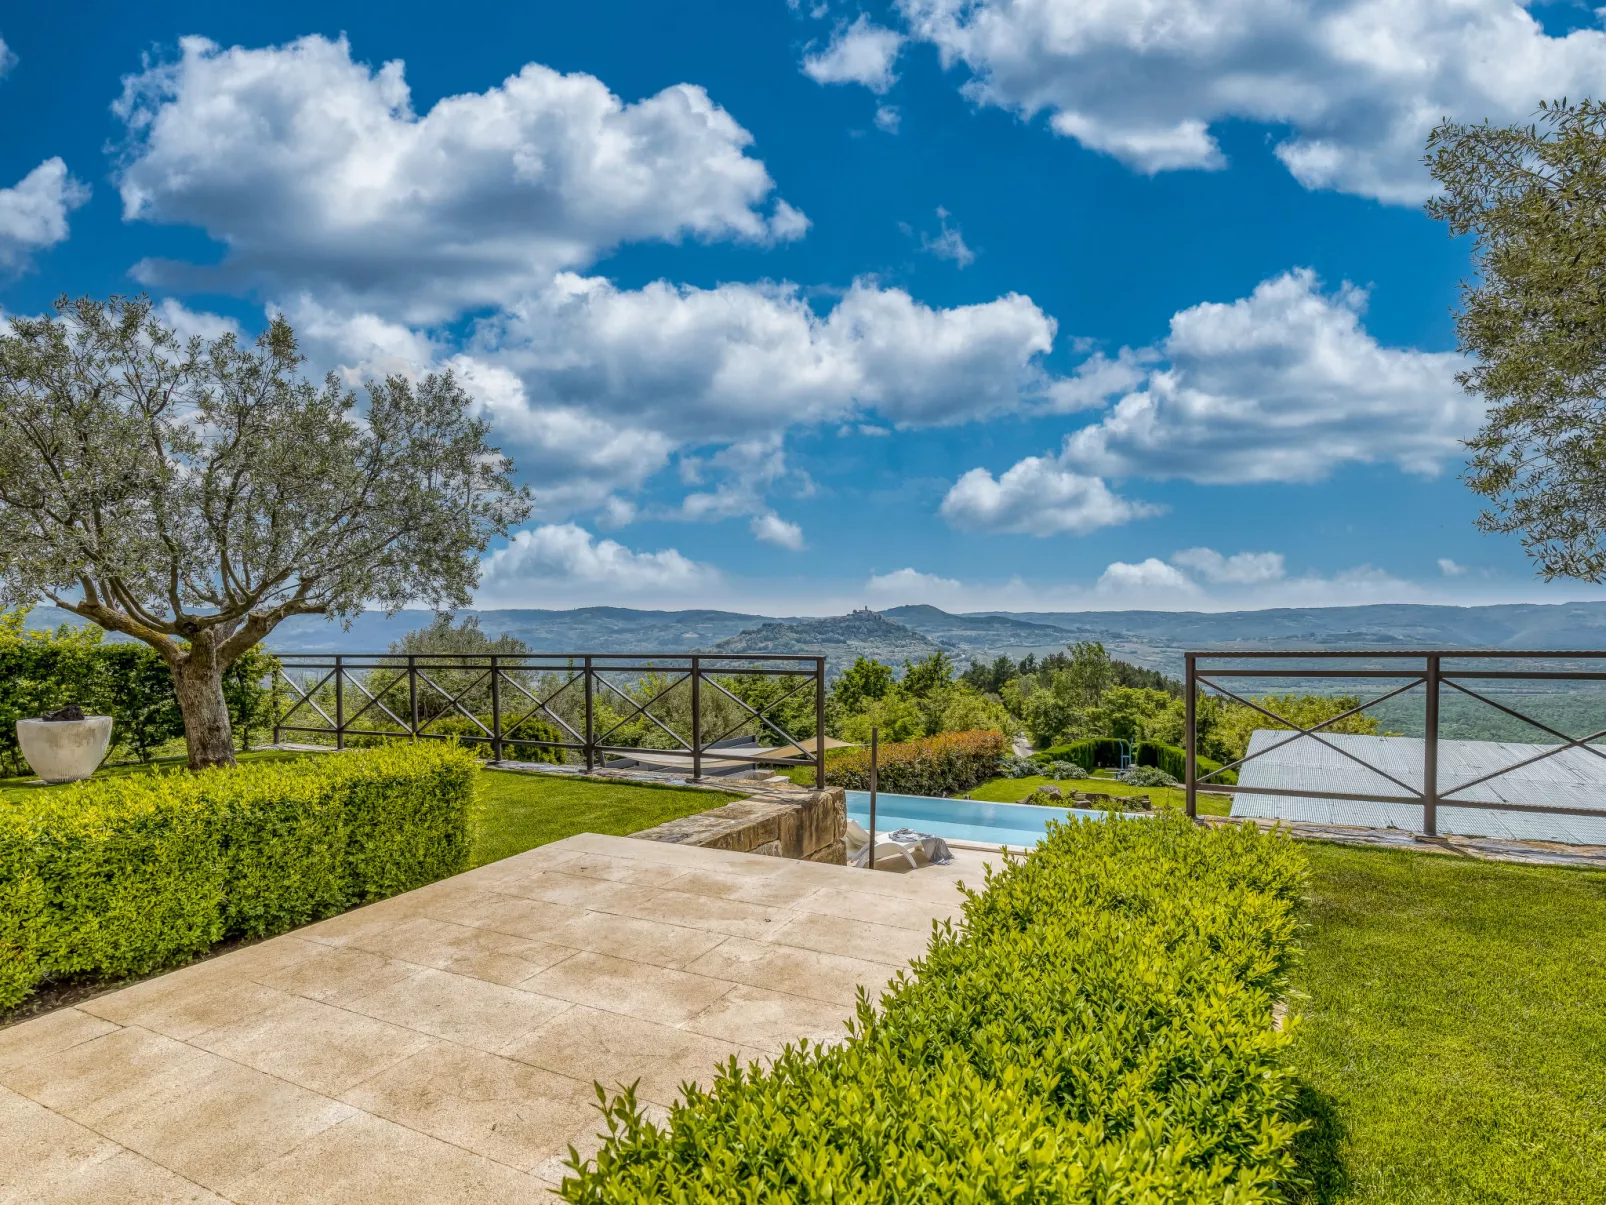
x=966 y=820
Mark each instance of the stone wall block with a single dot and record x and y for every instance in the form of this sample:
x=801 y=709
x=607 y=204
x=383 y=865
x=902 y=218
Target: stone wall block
x=802 y=825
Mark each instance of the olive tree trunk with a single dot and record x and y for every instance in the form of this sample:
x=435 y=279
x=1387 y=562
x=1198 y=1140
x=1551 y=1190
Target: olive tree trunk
x=198 y=682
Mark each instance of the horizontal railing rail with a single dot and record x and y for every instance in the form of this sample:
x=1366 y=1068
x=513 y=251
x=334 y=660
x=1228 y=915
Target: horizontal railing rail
x=1415 y=668
x=356 y=694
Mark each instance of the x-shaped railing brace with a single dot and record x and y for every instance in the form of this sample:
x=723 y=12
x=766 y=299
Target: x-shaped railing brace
x=454 y=701
x=1571 y=742
x=541 y=705
x=757 y=714
x=642 y=711
x=1301 y=732
x=306 y=697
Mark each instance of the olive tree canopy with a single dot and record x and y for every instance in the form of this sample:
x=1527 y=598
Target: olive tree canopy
x=1533 y=198
x=195 y=494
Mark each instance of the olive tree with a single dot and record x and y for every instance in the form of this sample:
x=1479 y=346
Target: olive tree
x=1533 y=198
x=194 y=494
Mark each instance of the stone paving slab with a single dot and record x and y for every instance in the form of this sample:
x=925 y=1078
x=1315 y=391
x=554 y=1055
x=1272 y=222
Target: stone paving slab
x=441 y=1046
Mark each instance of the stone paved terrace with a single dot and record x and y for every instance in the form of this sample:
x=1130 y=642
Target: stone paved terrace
x=441 y=1046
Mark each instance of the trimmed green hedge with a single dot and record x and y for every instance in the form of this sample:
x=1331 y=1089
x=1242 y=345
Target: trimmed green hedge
x=1098 y=751
x=1089 y=753
x=41 y=671
x=1174 y=761
x=1100 y=1030
x=124 y=876
x=933 y=765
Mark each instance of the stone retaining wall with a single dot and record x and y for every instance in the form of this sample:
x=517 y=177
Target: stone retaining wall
x=807 y=825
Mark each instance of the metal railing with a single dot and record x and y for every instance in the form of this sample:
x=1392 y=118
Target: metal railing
x=583 y=697
x=1432 y=675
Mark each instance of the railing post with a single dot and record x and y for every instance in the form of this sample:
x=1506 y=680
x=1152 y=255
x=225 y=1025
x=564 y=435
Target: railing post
x=412 y=696
x=591 y=737
x=1190 y=724
x=819 y=724
x=275 y=698
x=496 y=710
x=340 y=703
x=696 y=719
x=1430 y=751
x=875 y=782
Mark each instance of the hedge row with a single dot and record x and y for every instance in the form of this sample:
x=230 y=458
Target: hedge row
x=1089 y=753
x=1099 y=1030
x=41 y=671
x=1174 y=761
x=933 y=765
x=123 y=876
x=1099 y=751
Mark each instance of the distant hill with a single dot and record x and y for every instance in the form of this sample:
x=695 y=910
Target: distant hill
x=842 y=638
x=974 y=637
x=582 y=630
x=1156 y=639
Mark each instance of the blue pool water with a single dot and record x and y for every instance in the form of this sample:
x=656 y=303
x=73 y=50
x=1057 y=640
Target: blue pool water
x=960 y=819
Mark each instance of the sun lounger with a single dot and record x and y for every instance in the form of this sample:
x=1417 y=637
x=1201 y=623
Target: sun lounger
x=902 y=845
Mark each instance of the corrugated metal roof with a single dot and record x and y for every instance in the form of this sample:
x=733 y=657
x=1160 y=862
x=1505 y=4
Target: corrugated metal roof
x=1575 y=778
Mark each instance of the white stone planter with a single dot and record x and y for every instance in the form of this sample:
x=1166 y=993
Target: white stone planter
x=65 y=750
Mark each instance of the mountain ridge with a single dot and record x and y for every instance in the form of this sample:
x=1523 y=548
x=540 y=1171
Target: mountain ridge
x=1155 y=639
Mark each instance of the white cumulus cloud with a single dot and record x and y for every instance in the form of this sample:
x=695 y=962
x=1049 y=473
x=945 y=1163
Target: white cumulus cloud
x=1239 y=569
x=33 y=212
x=8 y=58
x=860 y=53
x=1357 y=82
x=188 y=323
x=316 y=173
x=1203 y=579
x=911 y=586
x=1153 y=574
x=741 y=361
x=1450 y=569
x=565 y=558
x=1283 y=385
x=1037 y=496
x=594 y=388
x=773 y=529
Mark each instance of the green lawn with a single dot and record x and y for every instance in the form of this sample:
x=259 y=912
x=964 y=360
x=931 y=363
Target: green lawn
x=1453 y=1037
x=1013 y=790
x=514 y=812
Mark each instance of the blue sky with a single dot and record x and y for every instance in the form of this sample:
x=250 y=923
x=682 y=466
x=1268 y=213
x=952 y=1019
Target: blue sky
x=992 y=305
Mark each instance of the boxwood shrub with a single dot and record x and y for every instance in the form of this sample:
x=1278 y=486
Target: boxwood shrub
x=1099 y=1029
x=933 y=765
x=122 y=876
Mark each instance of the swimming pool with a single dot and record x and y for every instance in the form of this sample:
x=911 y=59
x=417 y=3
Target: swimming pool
x=960 y=819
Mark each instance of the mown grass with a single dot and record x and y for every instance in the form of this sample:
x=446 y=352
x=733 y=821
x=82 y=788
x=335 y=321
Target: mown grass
x=1452 y=1032
x=1014 y=790
x=515 y=811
